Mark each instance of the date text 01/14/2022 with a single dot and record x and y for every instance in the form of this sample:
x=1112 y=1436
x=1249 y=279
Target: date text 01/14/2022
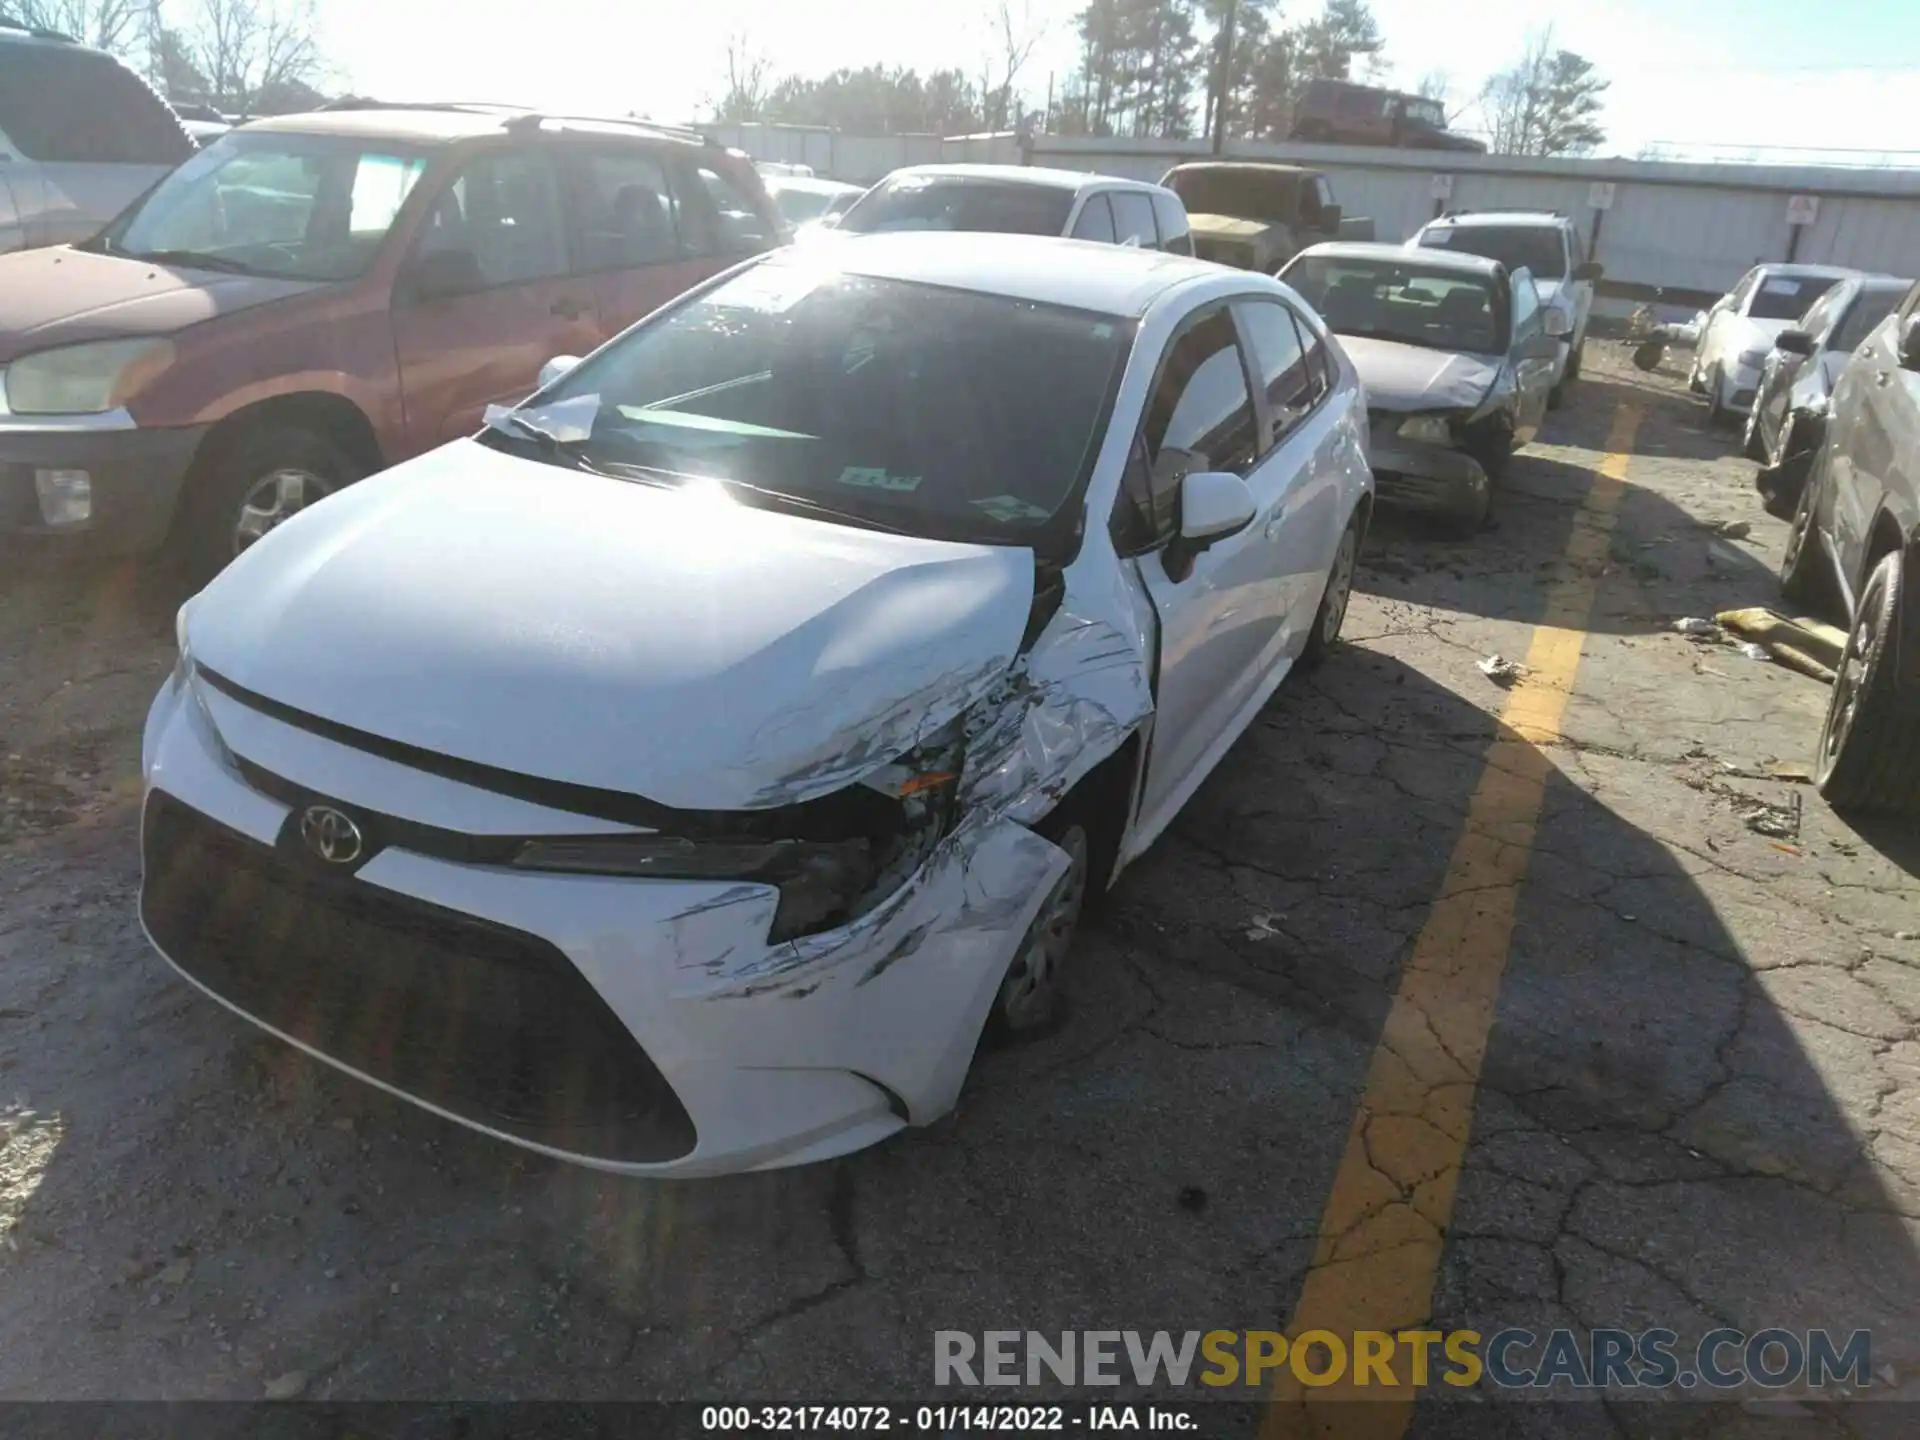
x=942 y=1419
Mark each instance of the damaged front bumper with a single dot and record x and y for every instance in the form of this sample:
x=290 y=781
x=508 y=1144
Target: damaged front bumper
x=643 y=1026
x=1429 y=479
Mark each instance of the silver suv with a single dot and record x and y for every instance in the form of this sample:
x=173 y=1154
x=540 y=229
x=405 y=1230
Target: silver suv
x=81 y=138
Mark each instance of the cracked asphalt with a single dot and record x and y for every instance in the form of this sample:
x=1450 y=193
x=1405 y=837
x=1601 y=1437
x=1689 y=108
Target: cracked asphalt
x=1699 y=1105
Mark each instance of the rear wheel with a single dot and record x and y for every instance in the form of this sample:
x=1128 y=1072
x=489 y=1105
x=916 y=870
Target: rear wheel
x=1649 y=353
x=1574 y=361
x=1336 y=597
x=259 y=480
x=1867 y=759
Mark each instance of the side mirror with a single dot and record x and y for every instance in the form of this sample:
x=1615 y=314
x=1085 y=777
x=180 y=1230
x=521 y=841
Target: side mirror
x=555 y=368
x=1330 y=217
x=1213 y=505
x=1910 y=343
x=1592 y=270
x=443 y=274
x=1794 y=342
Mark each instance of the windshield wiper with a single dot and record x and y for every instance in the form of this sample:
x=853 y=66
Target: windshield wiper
x=194 y=259
x=550 y=446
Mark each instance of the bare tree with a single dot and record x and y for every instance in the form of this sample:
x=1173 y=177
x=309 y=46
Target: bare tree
x=248 y=49
x=112 y=25
x=1016 y=33
x=1548 y=103
x=749 y=76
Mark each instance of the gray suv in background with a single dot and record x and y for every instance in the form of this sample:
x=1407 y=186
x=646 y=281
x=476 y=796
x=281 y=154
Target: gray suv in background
x=81 y=137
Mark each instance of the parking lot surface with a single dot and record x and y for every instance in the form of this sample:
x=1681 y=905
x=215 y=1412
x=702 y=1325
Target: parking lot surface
x=1694 y=1096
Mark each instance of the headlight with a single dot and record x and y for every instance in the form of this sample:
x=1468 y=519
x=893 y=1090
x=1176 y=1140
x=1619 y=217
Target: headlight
x=823 y=881
x=85 y=379
x=1431 y=429
x=1752 y=359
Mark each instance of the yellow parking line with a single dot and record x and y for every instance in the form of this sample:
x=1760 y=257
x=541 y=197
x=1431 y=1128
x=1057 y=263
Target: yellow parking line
x=1386 y=1220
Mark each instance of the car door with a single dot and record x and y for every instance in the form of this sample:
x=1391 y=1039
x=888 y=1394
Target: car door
x=1782 y=367
x=627 y=224
x=1298 y=479
x=1217 y=609
x=1879 y=443
x=500 y=216
x=1532 y=355
x=1095 y=220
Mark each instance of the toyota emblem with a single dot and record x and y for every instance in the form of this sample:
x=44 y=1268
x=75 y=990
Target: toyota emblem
x=331 y=834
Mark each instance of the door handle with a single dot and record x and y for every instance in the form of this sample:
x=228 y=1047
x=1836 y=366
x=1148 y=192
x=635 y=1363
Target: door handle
x=568 y=308
x=1883 y=377
x=1276 y=522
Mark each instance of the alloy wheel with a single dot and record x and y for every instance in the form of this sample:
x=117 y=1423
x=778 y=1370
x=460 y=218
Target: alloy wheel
x=1340 y=586
x=1030 y=993
x=273 y=499
x=1849 y=679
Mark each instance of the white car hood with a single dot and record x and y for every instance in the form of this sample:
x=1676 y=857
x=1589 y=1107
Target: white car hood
x=698 y=653
x=1412 y=377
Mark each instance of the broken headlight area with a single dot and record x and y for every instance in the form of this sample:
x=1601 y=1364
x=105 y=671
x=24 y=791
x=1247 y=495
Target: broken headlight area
x=1427 y=429
x=832 y=859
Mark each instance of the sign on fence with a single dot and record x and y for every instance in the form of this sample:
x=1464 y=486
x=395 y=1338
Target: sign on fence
x=1600 y=195
x=1803 y=209
x=1441 y=188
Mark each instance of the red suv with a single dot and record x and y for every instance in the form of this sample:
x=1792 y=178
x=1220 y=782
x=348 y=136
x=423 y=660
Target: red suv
x=314 y=297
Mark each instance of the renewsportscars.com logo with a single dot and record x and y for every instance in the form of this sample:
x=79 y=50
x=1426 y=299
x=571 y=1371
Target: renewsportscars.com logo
x=1514 y=1359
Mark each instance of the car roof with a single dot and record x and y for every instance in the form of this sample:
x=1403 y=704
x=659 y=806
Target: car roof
x=809 y=185
x=1500 y=217
x=1270 y=167
x=1118 y=280
x=1811 y=272
x=1039 y=175
x=1402 y=255
x=444 y=124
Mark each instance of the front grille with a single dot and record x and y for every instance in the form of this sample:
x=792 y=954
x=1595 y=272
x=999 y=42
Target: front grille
x=486 y=1022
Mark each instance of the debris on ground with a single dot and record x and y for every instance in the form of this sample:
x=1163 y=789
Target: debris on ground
x=1791 y=771
x=1735 y=529
x=1501 y=670
x=288 y=1386
x=1261 y=927
x=1756 y=652
x=1695 y=628
x=1798 y=643
x=1777 y=822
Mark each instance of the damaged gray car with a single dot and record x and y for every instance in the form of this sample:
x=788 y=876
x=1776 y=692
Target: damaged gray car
x=680 y=776
x=1457 y=355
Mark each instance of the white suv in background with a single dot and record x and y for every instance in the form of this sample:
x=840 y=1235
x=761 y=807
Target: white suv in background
x=81 y=138
x=1548 y=246
x=1024 y=200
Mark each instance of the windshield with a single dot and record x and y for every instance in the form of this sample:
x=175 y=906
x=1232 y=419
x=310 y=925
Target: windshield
x=1391 y=300
x=1787 y=297
x=884 y=403
x=300 y=207
x=1246 y=194
x=1535 y=248
x=1869 y=308
x=1427 y=112
x=799 y=206
x=920 y=202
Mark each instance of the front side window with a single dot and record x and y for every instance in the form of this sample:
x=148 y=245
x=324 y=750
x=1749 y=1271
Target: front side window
x=1526 y=305
x=503 y=209
x=1404 y=301
x=1869 y=308
x=1095 y=222
x=1541 y=249
x=929 y=202
x=1292 y=377
x=627 y=213
x=1201 y=406
x=873 y=402
x=294 y=206
x=68 y=106
x=719 y=217
x=1820 y=314
x=1176 y=238
x=1133 y=219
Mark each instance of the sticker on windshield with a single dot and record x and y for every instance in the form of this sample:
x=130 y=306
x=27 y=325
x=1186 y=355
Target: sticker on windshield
x=871 y=479
x=1012 y=510
x=1779 y=285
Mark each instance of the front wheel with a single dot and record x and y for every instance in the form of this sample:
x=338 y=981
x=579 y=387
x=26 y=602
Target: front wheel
x=1868 y=760
x=1804 y=576
x=1716 y=405
x=1753 y=443
x=1032 y=995
x=254 y=484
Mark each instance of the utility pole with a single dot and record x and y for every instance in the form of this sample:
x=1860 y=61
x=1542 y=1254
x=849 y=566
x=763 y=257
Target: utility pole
x=1226 y=77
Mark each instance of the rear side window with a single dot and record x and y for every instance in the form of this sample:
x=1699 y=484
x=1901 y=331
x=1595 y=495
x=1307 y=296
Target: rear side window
x=1292 y=376
x=63 y=106
x=504 y=208
x=1175 y=238
x=1095 y=222
x=627 y=212
x=717 y=214
x=1133 y=219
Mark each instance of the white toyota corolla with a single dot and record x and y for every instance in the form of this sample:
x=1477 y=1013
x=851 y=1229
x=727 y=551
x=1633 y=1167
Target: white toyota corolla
x=680 y=775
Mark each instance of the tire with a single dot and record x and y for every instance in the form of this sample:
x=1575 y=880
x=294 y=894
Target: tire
x=1716 y=411
x=1805 y=577
x=264 y=476
x=1336 y=596
x=1032 y=997
x=1752 y=444
x=1575 y=362
x=1557 y=396
x=1649 y=353
x=1868 y=759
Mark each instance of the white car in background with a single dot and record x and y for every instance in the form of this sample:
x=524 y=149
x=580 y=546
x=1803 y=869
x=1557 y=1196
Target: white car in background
x=1550 y=248
x=803 y=200
x=680 y=776
x=1738 y=331
x=1023 y=200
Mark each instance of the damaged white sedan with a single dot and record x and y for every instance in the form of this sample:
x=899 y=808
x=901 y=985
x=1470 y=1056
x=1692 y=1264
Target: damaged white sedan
x=678 y=777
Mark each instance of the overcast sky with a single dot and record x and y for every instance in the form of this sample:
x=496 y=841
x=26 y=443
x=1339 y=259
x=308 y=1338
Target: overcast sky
x=1839 y=74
